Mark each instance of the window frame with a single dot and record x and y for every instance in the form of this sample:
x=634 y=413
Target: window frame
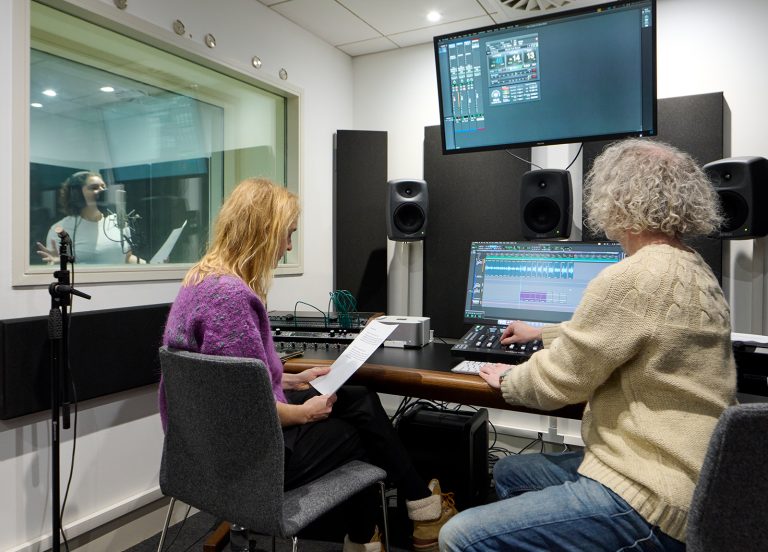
x=24 y=273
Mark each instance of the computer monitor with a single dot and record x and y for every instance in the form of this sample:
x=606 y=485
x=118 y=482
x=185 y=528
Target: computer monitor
x=536 y=282
x=574 y=76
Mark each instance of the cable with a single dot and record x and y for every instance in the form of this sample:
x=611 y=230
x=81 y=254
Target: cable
x=181 y=526
x=529 y=445
x=531 y=163
x=74 y=427
x=325 y=316
x=71 y=464
x=575 y=157
x=345 y=304
x=214 y=526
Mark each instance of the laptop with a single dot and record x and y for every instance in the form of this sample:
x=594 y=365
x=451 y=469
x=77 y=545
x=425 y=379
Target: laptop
x=536 y=282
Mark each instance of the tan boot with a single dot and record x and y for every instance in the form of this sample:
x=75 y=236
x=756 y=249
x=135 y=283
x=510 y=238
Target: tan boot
x=428 y=516
x=373 y=546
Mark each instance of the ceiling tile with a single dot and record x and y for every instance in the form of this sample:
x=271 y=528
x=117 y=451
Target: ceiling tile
x=395 y=16
x=367 y=46
x=327 y=19
x=421 y=36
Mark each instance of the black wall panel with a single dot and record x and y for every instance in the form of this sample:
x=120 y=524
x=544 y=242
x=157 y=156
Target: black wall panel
x=360 y=230
x=109 y=351
x=694 y=124
x=472 y=197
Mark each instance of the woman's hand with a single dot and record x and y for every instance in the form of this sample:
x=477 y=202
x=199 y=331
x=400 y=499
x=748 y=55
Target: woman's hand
x=301 y=380
x=519 y=332
x=491 y=373
x=50 y=256
x=318 y=408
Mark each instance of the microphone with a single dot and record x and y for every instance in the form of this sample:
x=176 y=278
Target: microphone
x=62 y=234
x=122 y=216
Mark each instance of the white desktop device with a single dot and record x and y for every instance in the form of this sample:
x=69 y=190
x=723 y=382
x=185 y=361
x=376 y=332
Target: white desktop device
x=411 y=331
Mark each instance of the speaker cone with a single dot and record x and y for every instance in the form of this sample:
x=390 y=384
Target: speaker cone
x=408 y=218
x=542 y=215
x=735 y=210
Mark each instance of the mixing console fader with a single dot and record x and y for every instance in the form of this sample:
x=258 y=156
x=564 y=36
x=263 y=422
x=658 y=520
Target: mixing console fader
x=484 y=343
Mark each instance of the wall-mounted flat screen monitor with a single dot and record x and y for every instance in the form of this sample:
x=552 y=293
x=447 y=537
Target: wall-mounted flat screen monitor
x=574 y=76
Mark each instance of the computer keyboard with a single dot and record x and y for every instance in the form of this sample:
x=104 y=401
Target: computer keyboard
x=468 y=367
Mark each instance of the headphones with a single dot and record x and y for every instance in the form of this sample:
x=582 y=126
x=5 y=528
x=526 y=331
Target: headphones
x=71 y=199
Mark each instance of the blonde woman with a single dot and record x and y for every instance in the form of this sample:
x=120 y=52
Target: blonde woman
x=220 y=310
x=649 y=351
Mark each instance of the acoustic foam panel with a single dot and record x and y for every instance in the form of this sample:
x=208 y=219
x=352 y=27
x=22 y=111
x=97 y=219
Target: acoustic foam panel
x=360 y=230
x=472 y=197
x=694 y=124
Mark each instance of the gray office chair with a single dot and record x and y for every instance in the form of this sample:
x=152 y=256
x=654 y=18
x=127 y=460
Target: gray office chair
x=730 y=502
x=223 y=450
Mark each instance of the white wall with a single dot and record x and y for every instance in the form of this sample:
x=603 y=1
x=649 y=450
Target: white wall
x=702 y=47
x=119 y=438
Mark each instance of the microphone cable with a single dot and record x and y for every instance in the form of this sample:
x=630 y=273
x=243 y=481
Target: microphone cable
x=74 y=423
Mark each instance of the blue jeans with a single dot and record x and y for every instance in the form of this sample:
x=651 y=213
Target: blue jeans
x=545 y=505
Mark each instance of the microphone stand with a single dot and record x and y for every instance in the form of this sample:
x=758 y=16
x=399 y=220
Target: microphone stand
x=58 y=332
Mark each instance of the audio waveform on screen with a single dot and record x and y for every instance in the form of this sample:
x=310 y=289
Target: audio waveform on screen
x=542 y=297
x=529 y=269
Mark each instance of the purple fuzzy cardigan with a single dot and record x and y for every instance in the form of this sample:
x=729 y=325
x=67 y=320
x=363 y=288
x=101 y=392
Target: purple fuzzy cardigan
x=221 y=316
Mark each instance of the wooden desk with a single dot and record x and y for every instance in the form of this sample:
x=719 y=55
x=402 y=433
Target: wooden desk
x=424 y=373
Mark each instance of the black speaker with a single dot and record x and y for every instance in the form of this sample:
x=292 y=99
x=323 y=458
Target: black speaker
x=451 y=446
x=407 y=208
x=742 y=184
x=545 y=204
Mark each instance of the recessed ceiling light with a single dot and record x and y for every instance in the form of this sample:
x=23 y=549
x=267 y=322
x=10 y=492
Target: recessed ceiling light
x=107 y=89
x=36 y=104
x=434 y=16
x=49 y=92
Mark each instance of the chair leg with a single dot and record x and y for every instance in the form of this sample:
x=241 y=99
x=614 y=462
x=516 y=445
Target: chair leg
x=167 y=522
x=384 y=514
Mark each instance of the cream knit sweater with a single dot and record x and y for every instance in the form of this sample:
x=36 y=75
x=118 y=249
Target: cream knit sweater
x=649 y=350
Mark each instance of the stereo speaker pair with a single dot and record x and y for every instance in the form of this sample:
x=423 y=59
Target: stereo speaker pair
x=546 y=204
x=407 y=209
x=742 y=184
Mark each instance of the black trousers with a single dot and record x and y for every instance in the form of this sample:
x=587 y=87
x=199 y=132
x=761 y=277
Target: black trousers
x=357 y=429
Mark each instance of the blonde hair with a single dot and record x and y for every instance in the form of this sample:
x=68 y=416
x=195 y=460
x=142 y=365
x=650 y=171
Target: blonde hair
x=248 y=235
x=640 y=185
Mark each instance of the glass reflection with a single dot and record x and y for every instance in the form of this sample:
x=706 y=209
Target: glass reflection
x=125 y=169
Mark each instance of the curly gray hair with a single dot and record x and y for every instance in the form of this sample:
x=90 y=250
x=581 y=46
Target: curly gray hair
x=640 y=185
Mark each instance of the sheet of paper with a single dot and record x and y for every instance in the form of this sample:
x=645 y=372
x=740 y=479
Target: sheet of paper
x=165 y=250
x=356 y=353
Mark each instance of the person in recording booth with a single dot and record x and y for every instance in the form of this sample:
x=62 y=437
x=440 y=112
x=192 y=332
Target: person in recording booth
x=96 y=237
x=649 y=351
x=220 y=310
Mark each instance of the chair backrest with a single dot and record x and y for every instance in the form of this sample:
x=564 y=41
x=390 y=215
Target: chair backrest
x=223 y=451
x=729 y=510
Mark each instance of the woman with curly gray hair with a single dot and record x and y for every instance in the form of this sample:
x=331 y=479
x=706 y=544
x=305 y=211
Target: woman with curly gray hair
x=648 y=350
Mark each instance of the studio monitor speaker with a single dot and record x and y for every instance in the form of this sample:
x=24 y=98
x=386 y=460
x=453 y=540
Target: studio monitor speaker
x=742 y=184
x=407 y=208
x=545 y=204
